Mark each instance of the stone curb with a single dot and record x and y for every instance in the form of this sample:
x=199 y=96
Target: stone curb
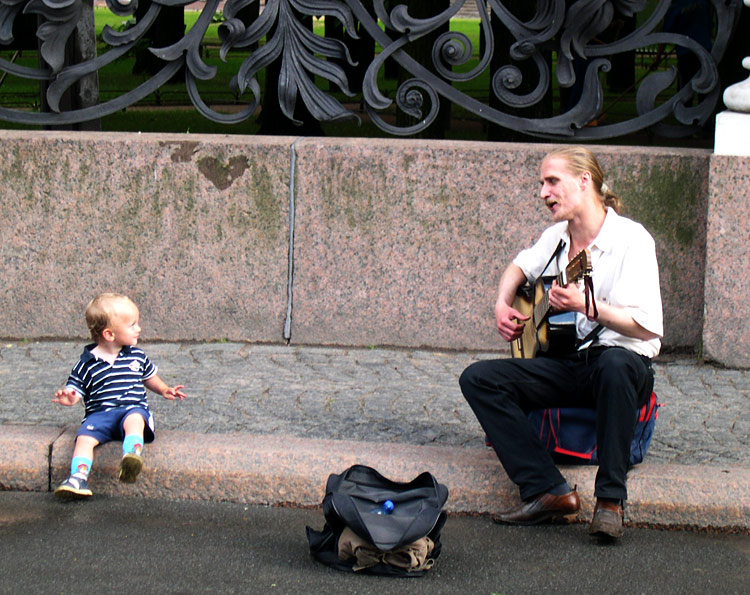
x=292 y=471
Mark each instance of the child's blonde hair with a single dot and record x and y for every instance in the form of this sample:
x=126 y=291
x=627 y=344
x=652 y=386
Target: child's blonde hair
x=101 y=310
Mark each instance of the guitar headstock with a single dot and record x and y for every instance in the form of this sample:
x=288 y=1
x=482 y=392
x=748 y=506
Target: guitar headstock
x=579 y=266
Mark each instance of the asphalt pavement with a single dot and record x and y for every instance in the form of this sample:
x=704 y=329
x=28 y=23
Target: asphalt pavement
x=134 y=545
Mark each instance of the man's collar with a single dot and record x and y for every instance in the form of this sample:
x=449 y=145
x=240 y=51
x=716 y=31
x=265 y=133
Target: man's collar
x=603 y=240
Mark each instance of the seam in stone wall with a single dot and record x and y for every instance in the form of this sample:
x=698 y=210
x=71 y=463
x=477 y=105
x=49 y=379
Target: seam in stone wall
x=290 y=264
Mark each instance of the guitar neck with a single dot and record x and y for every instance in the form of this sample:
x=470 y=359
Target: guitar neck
x=577 y=268
x=542 y=308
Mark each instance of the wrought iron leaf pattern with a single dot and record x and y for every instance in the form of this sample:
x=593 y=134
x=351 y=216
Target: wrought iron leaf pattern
x=300 y=51
x=281 y=38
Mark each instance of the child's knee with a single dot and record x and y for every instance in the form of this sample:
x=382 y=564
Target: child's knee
x=134 y=423
x=86 y=440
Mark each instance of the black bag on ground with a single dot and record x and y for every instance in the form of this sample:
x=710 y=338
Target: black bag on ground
x=403 y=542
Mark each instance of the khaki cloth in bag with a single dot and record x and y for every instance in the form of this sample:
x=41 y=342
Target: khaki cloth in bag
x=411 y=557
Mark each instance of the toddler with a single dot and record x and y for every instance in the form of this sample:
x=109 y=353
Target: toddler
x=110 y=378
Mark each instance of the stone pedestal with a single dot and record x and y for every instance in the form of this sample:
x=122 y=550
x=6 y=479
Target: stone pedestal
x=733 y=126
x=726 y=308
x=732 y=134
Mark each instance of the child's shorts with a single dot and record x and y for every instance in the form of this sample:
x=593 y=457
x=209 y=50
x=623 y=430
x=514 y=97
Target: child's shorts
x=107 y=426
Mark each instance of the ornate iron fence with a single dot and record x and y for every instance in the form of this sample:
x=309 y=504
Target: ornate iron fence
x=563 y=44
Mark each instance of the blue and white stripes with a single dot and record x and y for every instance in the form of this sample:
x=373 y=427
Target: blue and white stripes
x=104 y=386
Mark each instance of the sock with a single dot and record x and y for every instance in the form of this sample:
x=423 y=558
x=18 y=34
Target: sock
x=133 y=443
x=80 y=467
x=560 y=489
x=614 y=501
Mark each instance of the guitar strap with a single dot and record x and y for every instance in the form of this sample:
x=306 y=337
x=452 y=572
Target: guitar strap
x=588 y=290
x=560 y=246
x=590 y=338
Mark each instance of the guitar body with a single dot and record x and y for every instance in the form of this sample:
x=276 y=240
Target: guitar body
x=549 y=333
x=535 y=334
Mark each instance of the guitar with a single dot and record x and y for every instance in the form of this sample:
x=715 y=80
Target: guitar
x=533 y=301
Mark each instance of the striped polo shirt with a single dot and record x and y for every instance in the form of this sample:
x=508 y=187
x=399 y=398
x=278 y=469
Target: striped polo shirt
x=104 y=386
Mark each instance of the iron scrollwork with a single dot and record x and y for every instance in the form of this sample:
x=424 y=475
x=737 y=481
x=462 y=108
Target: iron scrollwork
x=569 y=30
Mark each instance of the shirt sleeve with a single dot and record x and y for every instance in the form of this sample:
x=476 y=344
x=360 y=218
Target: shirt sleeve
x=637 y=289
x=76 y=381
x=149 y=369
x=533 y=260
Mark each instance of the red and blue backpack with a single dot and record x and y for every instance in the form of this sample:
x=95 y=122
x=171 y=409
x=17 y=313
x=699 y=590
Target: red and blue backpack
x=569 y=434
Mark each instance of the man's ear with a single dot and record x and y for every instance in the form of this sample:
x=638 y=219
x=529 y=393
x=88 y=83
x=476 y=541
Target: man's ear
x=585 y=179
x=108 y=334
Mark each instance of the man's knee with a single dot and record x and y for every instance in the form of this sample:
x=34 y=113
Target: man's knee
x=480 y=373
x=620 y=365
x=623 y=372
x=468 y=379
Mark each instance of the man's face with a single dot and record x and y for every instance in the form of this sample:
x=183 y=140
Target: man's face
x=561 y=190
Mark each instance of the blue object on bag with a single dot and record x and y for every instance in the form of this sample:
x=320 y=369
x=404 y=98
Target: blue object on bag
x=385 y=508
x=569 y=434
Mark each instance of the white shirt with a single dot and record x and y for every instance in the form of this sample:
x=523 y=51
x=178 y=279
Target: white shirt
x=624 y=271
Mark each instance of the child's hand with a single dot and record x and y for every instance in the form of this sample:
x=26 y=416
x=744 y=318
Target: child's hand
x=174 y=392
x=66 y=396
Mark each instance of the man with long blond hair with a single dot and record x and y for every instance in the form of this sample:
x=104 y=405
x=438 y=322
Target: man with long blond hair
x=618 y=325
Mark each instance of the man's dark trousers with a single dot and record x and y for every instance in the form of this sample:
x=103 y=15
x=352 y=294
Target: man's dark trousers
x=613 y=380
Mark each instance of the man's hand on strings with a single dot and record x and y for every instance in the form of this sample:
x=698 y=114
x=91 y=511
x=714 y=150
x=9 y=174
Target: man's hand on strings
x=507 y=319
x=566 y=298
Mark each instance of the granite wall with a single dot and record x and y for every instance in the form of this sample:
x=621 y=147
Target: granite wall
x=395 y=242
x=726 y=338
x=194 y=230
x=403 y=242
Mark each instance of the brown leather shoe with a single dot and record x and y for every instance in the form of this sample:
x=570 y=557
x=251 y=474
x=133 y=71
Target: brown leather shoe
x=607 y=520
x=543 y=508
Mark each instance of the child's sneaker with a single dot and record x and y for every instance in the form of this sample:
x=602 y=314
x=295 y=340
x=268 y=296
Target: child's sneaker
x=130 y=466
x=74 y=488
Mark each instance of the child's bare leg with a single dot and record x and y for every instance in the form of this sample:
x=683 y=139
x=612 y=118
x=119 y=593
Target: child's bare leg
x=132 y=446
x=85 y=447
